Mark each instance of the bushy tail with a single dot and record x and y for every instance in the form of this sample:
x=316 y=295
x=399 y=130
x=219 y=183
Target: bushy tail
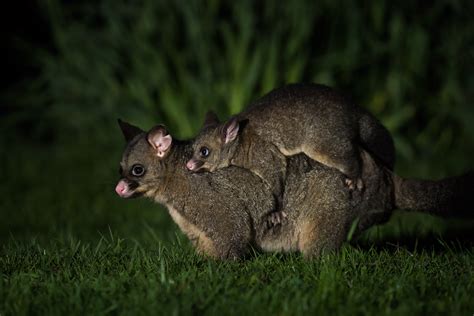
x=449 y=197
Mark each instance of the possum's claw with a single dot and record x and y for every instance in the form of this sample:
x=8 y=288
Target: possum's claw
x=354 y=184
x=275 y=218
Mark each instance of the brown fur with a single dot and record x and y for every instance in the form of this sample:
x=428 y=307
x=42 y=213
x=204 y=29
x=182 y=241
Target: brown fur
x=311 y=119
x=321 y=209
x=223 y=213
x=216 y=211
x=198 y=237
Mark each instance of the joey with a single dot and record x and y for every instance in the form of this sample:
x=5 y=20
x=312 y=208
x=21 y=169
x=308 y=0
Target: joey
x=299 y=118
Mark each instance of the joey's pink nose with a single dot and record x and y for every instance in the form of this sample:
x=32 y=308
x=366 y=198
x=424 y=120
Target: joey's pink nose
x=191 y=165
x=122 y=189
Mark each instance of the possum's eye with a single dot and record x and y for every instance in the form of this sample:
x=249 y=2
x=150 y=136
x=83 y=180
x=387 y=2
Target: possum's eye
x=138 y=170
x=204 y=152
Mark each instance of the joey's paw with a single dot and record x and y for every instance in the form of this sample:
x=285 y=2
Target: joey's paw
x=275 y=218
x=350 y=183
x=354 y=184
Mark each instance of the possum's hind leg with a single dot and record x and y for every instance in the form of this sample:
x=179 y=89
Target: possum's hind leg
x=342 y=154
x=317 y=236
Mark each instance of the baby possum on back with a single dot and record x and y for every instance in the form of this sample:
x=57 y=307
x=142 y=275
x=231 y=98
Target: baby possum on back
x=298 y=118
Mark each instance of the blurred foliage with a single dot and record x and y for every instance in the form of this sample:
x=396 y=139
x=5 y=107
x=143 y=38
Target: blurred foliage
x=150 y=61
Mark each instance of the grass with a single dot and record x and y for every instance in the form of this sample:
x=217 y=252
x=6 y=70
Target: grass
x=127 y=277
x=70 y=246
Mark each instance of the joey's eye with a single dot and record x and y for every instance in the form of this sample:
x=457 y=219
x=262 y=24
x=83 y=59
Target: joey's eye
x=120 y=170
x=138 y=170
x=204 y=152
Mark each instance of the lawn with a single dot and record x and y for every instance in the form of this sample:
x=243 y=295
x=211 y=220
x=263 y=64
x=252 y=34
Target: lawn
x=70 y=246
x=113 y=275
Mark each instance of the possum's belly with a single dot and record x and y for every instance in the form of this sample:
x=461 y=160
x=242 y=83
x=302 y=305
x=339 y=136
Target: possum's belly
x=197 y=236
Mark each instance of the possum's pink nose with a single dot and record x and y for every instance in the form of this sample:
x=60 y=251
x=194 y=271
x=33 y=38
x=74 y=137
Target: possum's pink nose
x=191 y=165
x=194 y=164
x=122 y=189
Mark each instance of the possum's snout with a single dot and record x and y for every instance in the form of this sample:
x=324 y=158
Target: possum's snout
x=194 y=164
x=123 y=189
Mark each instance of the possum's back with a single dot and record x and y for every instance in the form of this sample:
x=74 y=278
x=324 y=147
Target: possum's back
x=285 y=115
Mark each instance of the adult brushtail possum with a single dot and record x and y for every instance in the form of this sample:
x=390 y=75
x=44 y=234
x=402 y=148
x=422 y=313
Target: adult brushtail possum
x=218 y=212
x=225 y=212
x=299 y=118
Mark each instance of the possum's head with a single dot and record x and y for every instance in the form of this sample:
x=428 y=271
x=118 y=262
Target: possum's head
x=215 y=145
x=142 y=160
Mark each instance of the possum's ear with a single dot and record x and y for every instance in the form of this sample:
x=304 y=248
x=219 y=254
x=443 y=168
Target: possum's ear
x=211 y=119
x=160 y=140
x=129 y=131
x=230 y=130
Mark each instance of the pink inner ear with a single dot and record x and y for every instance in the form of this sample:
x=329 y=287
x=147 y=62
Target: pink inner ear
x=232 y=131
x=159 y=141
x=164 y=143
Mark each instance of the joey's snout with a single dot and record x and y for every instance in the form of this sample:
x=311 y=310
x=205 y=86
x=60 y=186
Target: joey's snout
x=123 y=189
x=194 y=164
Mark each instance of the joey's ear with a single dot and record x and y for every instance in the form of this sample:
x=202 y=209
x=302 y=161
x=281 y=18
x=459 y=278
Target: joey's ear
x=129 y=131
x=211 y=119
x=230 y=130
x=160 y=140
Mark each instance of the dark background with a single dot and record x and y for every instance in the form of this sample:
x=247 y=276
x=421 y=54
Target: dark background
x=72 y=68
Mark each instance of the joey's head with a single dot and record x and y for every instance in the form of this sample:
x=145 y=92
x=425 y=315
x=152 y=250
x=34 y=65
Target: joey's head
x=143 y=159
x=215 y=145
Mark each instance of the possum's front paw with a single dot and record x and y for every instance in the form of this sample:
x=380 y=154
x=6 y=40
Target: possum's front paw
x=354 y=183
x=275 y=218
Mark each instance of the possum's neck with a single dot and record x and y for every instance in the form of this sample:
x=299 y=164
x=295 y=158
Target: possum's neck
x=173 y=187
x=244 y=151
